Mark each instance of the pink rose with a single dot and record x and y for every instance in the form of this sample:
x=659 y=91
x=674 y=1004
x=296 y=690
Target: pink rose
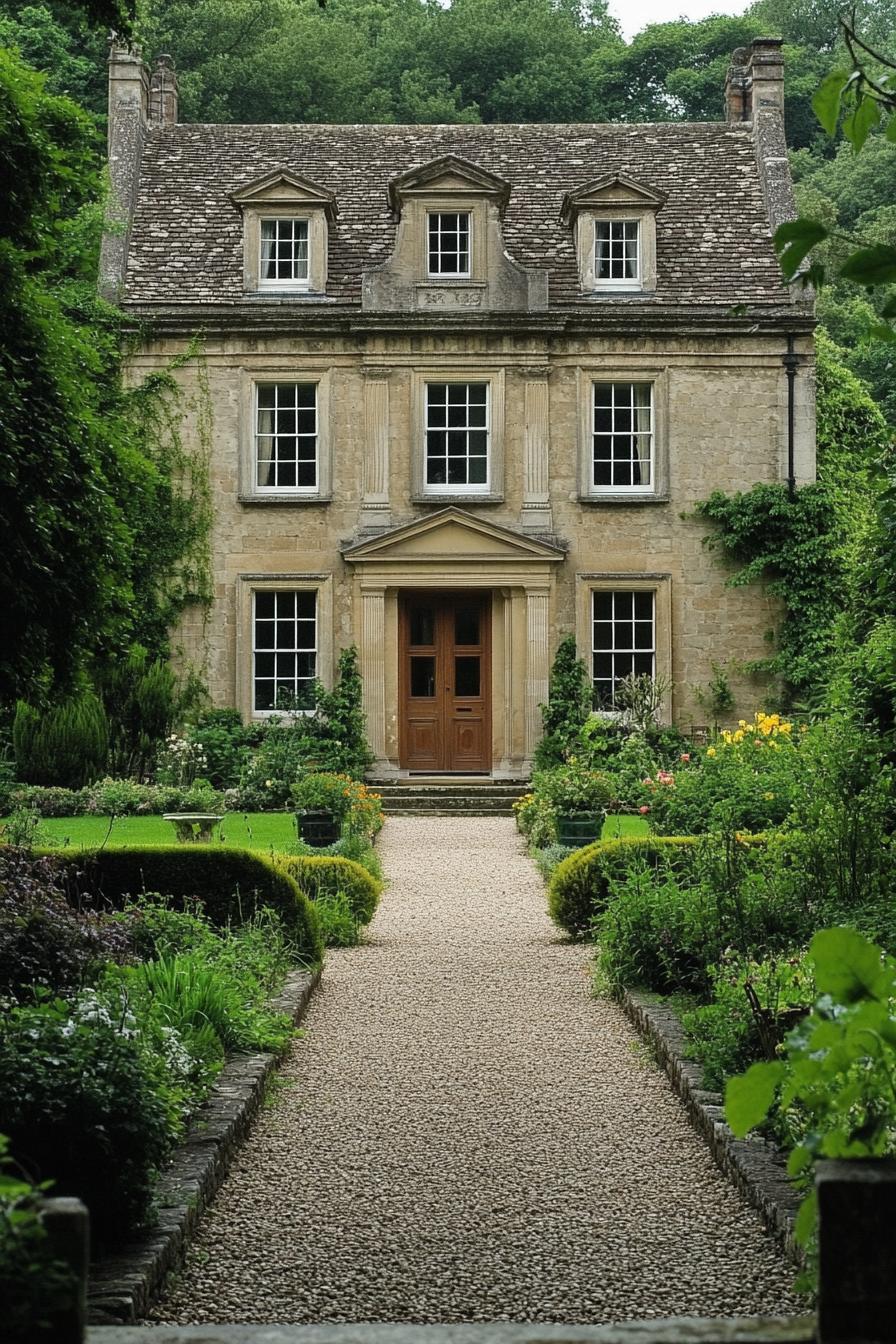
x=644 y=810
x=685 y=756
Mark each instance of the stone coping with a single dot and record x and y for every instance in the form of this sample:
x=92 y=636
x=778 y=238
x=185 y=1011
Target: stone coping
x=682 y=1330
x=758 y=1168
x=123 y=1285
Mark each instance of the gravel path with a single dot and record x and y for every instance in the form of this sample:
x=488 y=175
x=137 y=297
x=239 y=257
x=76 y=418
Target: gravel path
x=465 y=1134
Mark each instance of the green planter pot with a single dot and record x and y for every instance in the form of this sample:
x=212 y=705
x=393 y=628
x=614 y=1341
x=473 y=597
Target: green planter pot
x=576 y=829
x=318 y=828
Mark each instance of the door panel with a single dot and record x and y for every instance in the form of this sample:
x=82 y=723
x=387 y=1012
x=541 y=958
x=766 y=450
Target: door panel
x=444 y=683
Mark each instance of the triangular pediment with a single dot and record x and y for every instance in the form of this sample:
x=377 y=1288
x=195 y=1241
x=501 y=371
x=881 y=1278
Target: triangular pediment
x=610 y=191
x=284 y=188
x=455 y=535
x=446 y=175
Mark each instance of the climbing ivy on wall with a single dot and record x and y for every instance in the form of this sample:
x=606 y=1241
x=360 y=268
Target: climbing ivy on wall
x=811 y=550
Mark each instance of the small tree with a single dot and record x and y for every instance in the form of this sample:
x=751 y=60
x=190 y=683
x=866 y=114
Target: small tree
x=568 y=706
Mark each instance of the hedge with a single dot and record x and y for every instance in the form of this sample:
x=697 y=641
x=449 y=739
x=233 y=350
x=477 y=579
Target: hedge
x=580 y=885
x=329 y=874
x=230 y=884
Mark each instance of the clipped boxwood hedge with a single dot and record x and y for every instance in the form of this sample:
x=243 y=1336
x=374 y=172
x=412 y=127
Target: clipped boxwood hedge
x=580 y=885
x=230 y=884
x=330 y=874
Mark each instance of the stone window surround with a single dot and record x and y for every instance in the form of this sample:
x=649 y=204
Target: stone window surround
x=619 y=212
x=317 y=249
x=249 y=491
x=475 y=373
x=246 y=587
x=415 y=214
x=660 y=585
x=658 y=376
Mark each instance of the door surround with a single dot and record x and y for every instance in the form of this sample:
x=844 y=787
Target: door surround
x=452 y=550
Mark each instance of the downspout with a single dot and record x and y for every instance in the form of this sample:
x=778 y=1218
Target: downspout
x=791 y=362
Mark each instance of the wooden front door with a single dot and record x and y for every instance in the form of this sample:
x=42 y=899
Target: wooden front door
x=445 y=682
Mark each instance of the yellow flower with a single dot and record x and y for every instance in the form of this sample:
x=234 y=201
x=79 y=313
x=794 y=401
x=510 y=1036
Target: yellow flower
x=710 y=751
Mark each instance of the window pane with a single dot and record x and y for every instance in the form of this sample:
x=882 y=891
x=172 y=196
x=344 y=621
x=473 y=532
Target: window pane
x=422 y=625
x=284 y=251
x=423 y=677
x=286 y=436
x=623 y=640
x=616 y=249
x=457 y=434
x=466 y=625
x=622 y=436
x=449 y=243
x=466 y=676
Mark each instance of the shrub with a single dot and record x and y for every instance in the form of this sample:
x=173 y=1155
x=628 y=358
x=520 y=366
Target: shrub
x=80 y=1104
x=43 y=940
x=753 y=1006
x=142 y=701
x=567 y=708
x=193 y=993
x=580 y=887
x=47 y=802
x=229 y=884
x=66 y=745
x=225 y=743
x=329 y=876
x=547 y=859
x=667 y=923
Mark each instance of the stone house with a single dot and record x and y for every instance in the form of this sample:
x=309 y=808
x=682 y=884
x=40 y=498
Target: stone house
x=465 y=385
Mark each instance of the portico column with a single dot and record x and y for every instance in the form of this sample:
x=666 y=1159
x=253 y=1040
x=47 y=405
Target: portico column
x=375 y=512
x=538 y=662
x=373 y=667
x=536 y=479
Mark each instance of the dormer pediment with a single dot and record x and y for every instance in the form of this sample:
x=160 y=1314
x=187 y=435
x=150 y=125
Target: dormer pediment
x=610 y=192
x=448 y=176
x=285 y=190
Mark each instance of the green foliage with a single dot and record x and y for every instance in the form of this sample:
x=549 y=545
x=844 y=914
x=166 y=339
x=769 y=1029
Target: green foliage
x=580 y=887
x=80 y=1104
x=331 y=876
x=229 y=884
x=338 y=721
x=568 y=706
x=33 y=1286
x=66 y=745
x=141 y=699
x=225 y=743
x=338 y=923
x=832 y=1094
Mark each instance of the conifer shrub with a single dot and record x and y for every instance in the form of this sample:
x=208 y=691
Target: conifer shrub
x=330 y=875
x=568 y=706
x=67 y=745
x=229 y=885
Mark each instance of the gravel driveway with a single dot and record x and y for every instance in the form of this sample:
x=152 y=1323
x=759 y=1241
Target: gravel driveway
x=465 y=1134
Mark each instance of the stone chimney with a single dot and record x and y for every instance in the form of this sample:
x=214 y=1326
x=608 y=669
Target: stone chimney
x=765 y=74
x=163 y=94
x=128 y=115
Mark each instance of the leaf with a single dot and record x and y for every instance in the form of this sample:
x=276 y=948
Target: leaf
x=891 y=129
x=806 y=1217
x=827 y=99
x=749 y=1096
x=798 y=1161
x=870 y=265
x=795 y=240
x=847 y=965
x=859 y=124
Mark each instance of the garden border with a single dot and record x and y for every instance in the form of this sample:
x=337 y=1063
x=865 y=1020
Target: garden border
x=124 y=1285
x=756 y=1167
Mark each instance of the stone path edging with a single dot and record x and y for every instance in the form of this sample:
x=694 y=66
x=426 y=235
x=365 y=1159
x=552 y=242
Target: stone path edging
x=757 y=1168
x=123 y=1286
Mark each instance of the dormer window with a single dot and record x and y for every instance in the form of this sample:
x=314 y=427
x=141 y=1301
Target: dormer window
x=614 y=223
x=284 y=254
x=617 y=252
x=449 y=244
x=286 y=224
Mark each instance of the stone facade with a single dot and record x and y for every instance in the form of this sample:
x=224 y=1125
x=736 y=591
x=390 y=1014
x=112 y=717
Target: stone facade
x=535 y=536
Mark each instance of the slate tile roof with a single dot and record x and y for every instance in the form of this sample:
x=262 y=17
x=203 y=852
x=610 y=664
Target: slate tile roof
x=713 y=237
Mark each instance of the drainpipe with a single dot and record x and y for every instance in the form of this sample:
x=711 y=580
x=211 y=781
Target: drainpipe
x=791 y=363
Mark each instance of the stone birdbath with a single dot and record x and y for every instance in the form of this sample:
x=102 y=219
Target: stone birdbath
x=195 y=827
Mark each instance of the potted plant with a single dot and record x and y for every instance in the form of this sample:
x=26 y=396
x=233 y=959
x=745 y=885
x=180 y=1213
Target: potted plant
x=579 y=798
x=321 y=800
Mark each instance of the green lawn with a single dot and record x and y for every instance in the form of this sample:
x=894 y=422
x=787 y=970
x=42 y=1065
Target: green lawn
x=258 y=830
x=616 y=827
